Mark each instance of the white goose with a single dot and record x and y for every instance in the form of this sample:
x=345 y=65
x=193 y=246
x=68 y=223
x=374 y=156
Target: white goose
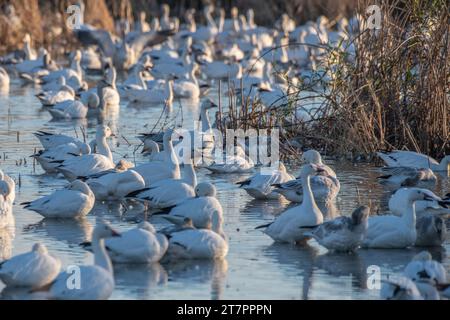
x=107 y=90
x=325 y=186
x=399 y=200
x=414 y=160
x=343 y=234
x=51 y=140
x=74 y=70
x=33 y=269
x=168 y=169
x=204 y=210
x=6 y=216
x=206 y=33
x=74 y=201
x=187 y=242
x=96 y=281
x=406 y=176
x=159 y=95
x=238 y=163
x=400 y=288
x=138 y=245
x=292 y=225
x=187 y=88
x=260 y=186
x=4 y=80
x=431 y=231
x=116 y=185
x=50 y=98
x=423 y=268
x=49 y=159
x=89 y=164
x=390 y=231
x=166 y=193
x=74 y=109
x=221 y=70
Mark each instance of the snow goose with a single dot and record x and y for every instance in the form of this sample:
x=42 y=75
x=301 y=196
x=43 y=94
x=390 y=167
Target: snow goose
x=406 y=176
x=414 y=160
x=292 y=224
x=168 y=169
x=74 y=201
x=399 y=288
x=47 y=158
x=89 y=164
x=96 y=281
x=389 y=231
x=431 y=231
x=204 y=210
x=151 y=149
x=187 y=242
x=138 y=245
x=153 y=96
x=238 y=163
x=221 y=70
x=116 y=185
x=106 y=88
x=206 y=33
x=187 y=88
x=50 y=98
x=4 y=79
x=399 y=200
x=73 y=70
x=167 y=193
x=51 y=140
x=74 y=109
x=260 y=186
x=343 y=234
x=33 y=269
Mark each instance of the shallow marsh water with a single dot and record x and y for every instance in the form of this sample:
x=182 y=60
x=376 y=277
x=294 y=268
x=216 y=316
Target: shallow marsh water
x=255 y=268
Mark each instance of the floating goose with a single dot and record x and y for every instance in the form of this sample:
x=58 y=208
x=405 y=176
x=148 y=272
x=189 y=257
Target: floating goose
x=414 y=160
x=106 y=88
x=116 y=185
x=399 y=288
x=399 y=200
x=167 y=193
x=51 y=140
x=138 y=245
x=314 y=157
x=96 y=281
x=156 y=171
x=260 y=186
x=204 y=210
x=77 y=200
x=89 y=164
x=208 y=32
x=293 y=223
x=187 y=88
x=407 y=177
x=390 y=231
x=74 y=109
x=343 y=233
x=238 y=163
x=50 y=98
x=47 y=158
x=153 y=96
x=33 y=269
x=73 y=71
x=187 y=242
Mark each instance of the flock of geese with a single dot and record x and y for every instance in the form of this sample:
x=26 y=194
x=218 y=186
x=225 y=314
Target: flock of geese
x=165 y=60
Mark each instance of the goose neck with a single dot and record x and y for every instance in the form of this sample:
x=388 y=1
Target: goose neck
x=308 y=197
x=171 y=157
x=103 y=147
x=206 y=124
x=210 y=20
x=191 y=177
x=409 y=216
x=101 y=257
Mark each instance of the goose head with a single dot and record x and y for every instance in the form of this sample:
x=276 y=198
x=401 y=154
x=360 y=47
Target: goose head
x=205 y=189
x=312 y=156
x=281 y=167
x=208 y=104
x=415 y=194
x=150 y=147
x=360 y=215
x=104 y=230
x=103 y=131
x=310 y=169
x=165 y=10
x=399 y=288
x=234 y=13
x=40 y=248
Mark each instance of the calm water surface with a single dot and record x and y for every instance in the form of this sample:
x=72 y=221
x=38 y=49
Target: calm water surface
x=255 y=268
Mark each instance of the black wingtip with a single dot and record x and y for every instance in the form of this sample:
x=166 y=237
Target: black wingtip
x=263 y=226
x=136 y=193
